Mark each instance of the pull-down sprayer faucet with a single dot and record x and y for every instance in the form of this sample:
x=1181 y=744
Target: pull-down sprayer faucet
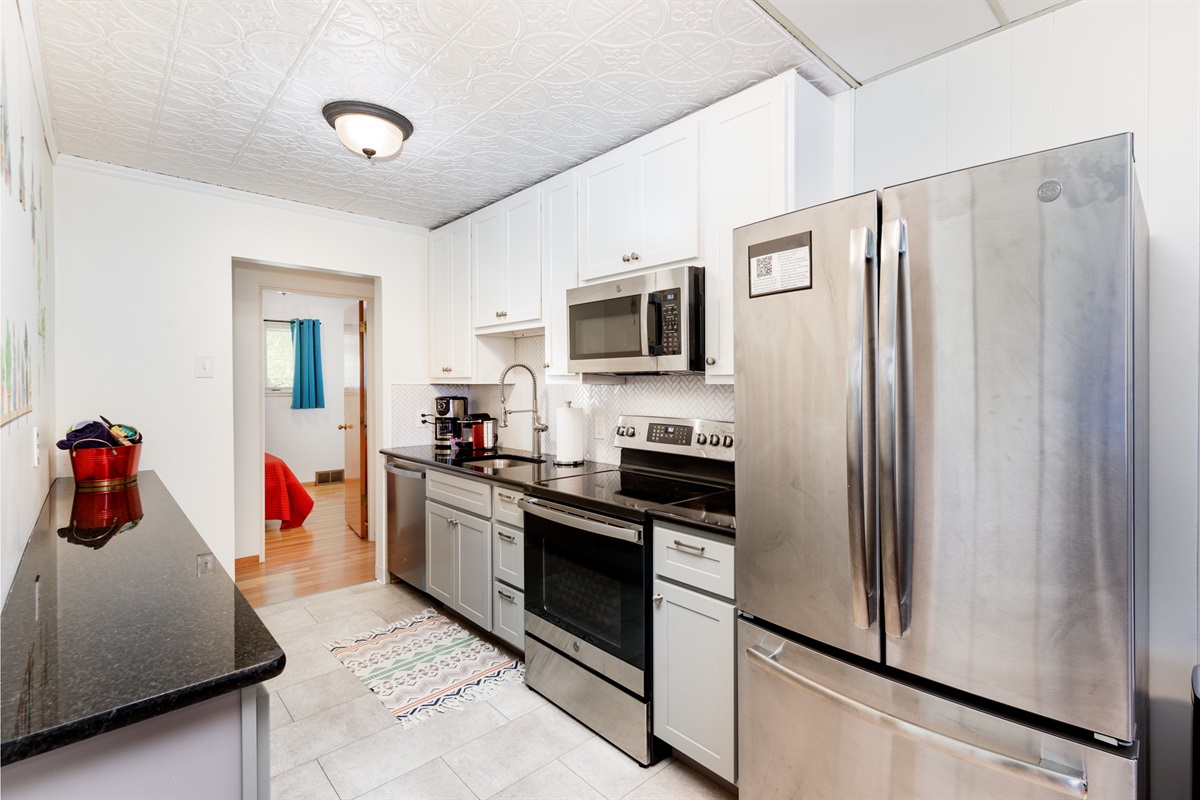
x=538 y=426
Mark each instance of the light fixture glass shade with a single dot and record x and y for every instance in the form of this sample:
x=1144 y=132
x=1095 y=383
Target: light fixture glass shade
x=369 y=130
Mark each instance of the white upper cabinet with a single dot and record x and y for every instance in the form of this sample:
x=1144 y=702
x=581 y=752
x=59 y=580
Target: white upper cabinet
x=639 y=206
x=763 y=148
x=507 y=260
x=455 y=353
x=561 y=265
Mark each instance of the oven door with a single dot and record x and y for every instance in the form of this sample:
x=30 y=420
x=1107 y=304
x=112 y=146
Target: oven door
x=585 y=589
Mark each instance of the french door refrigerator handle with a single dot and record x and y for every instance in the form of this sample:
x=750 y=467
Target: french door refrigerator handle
x=1046 y=774
x=894 y=377
x=860 y=422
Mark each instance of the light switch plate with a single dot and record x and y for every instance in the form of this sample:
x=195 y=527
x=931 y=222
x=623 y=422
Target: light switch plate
x=204 y=366
x=37 y=448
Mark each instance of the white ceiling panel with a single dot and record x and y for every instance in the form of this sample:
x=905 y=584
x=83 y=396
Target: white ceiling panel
x=502 y=93
x=869 y=37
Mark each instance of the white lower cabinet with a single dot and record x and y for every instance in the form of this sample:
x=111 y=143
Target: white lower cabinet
x=508 y=614
x=458 y=566
x=695 y=667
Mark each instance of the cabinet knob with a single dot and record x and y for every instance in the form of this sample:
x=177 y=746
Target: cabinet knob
x=625 y=258
x=497 y=313
x=452 y=520
x=710 y=361
x=634 y=256
x=658 y=598
x=546 y=365
x=344 y=427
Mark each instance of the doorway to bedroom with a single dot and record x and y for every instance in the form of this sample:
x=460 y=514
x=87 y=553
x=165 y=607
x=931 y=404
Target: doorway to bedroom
x=314 y=530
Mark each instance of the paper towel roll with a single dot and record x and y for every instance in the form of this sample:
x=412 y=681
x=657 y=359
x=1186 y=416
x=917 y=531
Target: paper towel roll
x=569 y=422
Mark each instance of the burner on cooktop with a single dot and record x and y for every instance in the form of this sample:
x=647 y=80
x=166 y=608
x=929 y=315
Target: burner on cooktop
x=627 y=489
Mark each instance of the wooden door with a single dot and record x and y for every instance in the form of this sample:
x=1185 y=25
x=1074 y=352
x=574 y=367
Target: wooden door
x=355 y=429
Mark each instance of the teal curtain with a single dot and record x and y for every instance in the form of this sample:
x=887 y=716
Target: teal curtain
x=308 y=386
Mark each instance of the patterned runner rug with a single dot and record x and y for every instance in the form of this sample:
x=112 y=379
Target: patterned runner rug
x=426 y=664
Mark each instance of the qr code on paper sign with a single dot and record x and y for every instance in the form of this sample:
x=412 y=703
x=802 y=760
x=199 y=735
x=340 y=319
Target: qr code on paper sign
x=762 y=267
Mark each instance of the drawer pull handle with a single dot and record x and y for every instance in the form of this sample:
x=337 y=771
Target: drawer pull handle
x=506 y=596
x=698 y=548
x=508 y=537
x=510 y=497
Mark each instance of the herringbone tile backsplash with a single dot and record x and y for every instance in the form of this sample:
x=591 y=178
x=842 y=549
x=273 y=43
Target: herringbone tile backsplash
x=652 y=395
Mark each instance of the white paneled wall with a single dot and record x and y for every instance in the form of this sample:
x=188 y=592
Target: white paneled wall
x=1087 y=70
x=661 y=395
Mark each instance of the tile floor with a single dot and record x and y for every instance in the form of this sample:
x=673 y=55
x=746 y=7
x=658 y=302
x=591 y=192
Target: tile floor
x=331 y=738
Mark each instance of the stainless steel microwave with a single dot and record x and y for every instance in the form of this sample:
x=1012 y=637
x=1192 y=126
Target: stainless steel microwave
x=647 y=324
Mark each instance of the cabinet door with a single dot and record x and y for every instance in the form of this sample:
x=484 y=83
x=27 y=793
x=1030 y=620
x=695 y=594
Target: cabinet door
x=440 y=535
x=508 y=555
x=473 y=576
x=694 y=707
x=608 y=213
x=561 y=265
x=508 y=615
x=746 y=180
x=668 y=195
x=523 y=226
x=440 y=284
x=489 y=257
x=456 y=306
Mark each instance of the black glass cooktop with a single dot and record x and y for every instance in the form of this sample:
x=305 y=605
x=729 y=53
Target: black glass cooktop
x=623 y=492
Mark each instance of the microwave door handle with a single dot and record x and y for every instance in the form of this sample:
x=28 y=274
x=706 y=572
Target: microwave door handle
x=654 y=345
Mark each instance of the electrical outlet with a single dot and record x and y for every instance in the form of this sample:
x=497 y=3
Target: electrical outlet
x=206 y=564
x=204 y=366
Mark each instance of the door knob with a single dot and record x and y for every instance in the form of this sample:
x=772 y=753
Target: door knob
x=344 y=427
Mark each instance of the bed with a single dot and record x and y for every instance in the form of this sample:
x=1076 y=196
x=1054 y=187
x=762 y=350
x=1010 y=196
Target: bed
x=286 y=498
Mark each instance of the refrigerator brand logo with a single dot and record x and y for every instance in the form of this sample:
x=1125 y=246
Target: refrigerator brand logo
x=1049 y=191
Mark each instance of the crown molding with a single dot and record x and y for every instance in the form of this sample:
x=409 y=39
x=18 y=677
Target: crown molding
x=183 y=184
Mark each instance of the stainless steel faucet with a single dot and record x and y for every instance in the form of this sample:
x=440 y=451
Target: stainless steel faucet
x=538 y=426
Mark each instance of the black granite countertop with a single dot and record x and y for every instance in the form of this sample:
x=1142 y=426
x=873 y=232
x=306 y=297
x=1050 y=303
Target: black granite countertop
x=511 y=476
x=105 y=626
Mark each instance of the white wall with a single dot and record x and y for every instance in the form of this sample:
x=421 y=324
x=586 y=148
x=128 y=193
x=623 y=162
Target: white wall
x=171 y=244
x=26 y=300
x=1088 y=70
x=308 y=439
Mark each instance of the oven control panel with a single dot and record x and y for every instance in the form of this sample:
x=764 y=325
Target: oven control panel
x=700 y=438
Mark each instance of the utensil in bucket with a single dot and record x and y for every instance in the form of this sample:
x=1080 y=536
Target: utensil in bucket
x=100 y=469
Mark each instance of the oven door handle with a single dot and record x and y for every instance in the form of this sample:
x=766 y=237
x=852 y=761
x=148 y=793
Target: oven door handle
x=576 y=518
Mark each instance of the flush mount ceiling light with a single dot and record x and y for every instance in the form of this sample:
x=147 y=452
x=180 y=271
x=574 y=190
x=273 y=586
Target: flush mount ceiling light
x=368 y=129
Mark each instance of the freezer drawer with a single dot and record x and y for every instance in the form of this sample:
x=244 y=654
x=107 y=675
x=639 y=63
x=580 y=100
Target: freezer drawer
x=815 y=727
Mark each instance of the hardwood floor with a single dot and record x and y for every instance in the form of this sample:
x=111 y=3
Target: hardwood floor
x=321 y=555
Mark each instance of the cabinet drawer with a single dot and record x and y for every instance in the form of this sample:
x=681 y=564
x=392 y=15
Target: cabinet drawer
x=508 y=555
x=694 y=558
x=463 y=493
x=508 y=615
x=504 y=506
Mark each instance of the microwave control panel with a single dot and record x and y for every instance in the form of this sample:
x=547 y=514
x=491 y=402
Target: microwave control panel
x=671 y=324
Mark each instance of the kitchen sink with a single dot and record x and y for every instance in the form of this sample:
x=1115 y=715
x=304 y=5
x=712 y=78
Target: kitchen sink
x=499 y=462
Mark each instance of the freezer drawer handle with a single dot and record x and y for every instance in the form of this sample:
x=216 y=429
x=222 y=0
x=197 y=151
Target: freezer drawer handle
x=1045 y=774
x=860 y=423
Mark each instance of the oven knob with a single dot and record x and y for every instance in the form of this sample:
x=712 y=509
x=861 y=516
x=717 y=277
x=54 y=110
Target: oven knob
x=701 y=438
x=631 y=431
x=620 y=430
x=727 y=441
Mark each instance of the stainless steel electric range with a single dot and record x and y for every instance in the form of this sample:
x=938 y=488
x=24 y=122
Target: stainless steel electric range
x=588 y=573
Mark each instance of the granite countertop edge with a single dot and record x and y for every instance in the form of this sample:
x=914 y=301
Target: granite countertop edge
x=516 y=477
x=83 y=728
x=666 y=515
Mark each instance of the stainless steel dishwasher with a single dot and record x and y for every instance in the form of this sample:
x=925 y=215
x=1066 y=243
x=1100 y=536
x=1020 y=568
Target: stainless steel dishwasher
x=406 y=521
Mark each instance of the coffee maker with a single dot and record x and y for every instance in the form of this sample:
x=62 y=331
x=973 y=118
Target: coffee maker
x=448 y=412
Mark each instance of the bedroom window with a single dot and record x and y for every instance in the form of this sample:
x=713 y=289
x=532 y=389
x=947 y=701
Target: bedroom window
x=279 y=358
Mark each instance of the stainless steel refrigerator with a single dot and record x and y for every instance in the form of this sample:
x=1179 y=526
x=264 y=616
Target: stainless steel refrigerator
x=942 y=507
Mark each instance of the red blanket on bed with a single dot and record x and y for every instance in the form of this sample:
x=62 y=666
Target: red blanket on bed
x=287 y=500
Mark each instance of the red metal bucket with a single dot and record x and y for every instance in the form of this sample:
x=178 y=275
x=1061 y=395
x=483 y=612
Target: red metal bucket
x=99 y=469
